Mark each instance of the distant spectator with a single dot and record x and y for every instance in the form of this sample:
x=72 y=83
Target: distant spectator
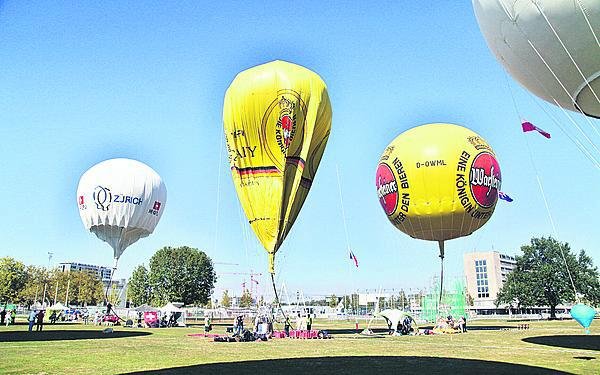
x=53 y=317
x=13 y=316
x=40 y=321
x=31 y=319
x=2 y=315
x=207 y=324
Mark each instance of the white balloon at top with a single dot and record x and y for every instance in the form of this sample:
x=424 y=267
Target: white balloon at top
x=550 y=46
x=121 y=201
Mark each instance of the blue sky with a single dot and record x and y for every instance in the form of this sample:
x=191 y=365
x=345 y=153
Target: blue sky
x=81 y=82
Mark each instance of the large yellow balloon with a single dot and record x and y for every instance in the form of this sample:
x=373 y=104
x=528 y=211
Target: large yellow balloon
x=438 y=182
x=277 y=118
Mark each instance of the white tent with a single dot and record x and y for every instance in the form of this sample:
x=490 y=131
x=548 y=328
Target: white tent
x=393 y=316
x=180 y=314
x=57 y=307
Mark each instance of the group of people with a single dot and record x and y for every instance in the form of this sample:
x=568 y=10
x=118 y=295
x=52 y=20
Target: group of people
x=404 y=326
x=450 y=324
x=36 y=317
x=8 y=317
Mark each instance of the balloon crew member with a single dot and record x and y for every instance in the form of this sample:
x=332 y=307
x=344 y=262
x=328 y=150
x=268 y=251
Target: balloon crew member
x=309 y=322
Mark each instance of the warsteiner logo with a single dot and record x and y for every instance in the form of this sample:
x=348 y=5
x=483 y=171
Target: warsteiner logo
x=102 y=197
x=286 y=124
x=485 y=179
x=387 y=188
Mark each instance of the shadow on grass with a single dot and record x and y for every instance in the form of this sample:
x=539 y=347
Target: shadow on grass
x=57 y=335
x=359 y=365
x=345 y=331
x=587 y=342
x=478 y=328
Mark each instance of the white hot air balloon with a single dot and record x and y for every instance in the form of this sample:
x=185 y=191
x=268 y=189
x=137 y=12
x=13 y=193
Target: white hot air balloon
x=121 y=201
x=550 y=46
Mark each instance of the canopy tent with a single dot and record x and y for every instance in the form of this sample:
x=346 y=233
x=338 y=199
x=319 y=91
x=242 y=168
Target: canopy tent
x=393 y=316
x=57 y=307
x=146 y=308
x=178 y=314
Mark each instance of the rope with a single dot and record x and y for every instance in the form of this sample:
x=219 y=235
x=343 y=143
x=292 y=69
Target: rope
x=441 y=245
x=542 y=190
x=567 y=51
x=567 y=92
x=106 y=293
x=588 y=22
x=218 y=191
x=277 y=297
x=525 y=64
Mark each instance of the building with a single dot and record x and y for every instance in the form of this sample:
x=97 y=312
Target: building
x=102 y=273
x=485 y=274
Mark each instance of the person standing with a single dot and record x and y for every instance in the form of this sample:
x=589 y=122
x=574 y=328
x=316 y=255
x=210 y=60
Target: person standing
x=31 y=319
x=207 y=324
x=13 y=316
x=3 y=315
x=286 y=326
x=309 y=322
x=40 y=321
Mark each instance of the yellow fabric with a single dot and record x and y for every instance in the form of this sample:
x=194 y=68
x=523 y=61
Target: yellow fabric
x=438 y=182
x=277 y=118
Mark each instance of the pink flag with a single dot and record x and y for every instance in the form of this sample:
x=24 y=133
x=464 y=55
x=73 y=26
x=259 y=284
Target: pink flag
x=527 y=127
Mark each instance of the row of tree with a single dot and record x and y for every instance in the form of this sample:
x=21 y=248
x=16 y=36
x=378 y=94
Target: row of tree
x=29 y=284
x=180 y=274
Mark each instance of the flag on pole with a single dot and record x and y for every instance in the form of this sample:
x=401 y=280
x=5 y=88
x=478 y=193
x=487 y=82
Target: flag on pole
x=527 y=127
x=504 y=196
x=353 y=257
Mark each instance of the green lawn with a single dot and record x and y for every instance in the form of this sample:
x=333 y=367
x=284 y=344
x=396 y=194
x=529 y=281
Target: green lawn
x=490 y=347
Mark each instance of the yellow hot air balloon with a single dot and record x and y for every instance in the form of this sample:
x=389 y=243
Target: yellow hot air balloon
x=437 y=182
x=277 y=118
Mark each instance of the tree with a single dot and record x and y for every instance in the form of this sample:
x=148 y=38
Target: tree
x=13 y=277
x=333 y=301
x=114 y=296
x=225 y=299
x=85 y=289
x=541 y=277
x=138 y=288
x=246 y=299
x=33 y=290
x=181 y=274
x=403 y=303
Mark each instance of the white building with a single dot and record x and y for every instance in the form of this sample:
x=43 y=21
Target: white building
x=485 y=273
x=101 y=272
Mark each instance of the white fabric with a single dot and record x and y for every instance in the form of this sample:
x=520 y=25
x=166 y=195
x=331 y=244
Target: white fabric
x=121 y=201
x=57 y=307
x=169 y=307
x=515 y=29
x=393 y=315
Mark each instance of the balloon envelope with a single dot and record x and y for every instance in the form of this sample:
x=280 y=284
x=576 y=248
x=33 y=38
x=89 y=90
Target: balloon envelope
x=549 y=46
x=121 y=201
x=438 y=182
x=277 y=119
x=583 y=314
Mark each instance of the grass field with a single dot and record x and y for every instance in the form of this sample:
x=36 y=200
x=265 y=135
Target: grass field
x=490 y=347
